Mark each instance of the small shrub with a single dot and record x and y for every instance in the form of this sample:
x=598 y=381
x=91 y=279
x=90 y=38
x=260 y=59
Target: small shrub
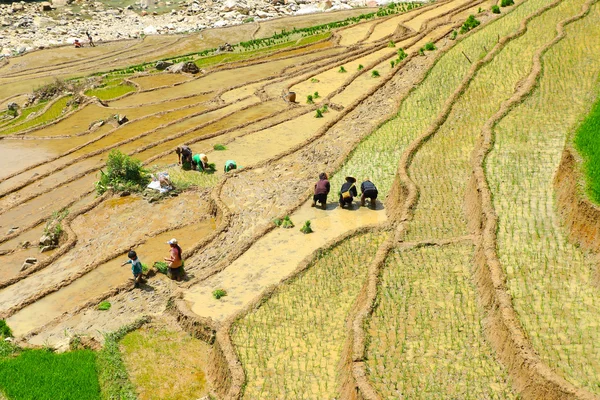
x=314 y=80
x=375 y=74
x=506 y=3
x=453 y=35
x=360 y=67
x=309 y=99
x=430 y=46
x=316 y=95
x=471 y=23
x=306 y=228
x=319 y=114
x=393 y=63
x=422 y=51
x=496 y=9
x=218 y=293
x=4 y=329
x=401 y=55
x=161 y=267
x=122 y=173
x=391 y=44
x=342 y=70
x=219 y=147
x=479 y=10
x=105 y=305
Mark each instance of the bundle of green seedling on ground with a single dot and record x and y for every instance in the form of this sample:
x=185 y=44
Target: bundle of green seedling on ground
x=291 y=346
x=320 y=111
x=444 y=160
x=469 y=24
x=284 y=222
x=378 y=155
x=425 y=338
x=552 y=282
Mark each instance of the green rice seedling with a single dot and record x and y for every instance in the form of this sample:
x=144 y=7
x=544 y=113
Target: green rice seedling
x=291 y=345
x=392 y=63
x=479 y=10
x=507 y=3
x=306 y=227
x=454 y=35
x=219 y=147
x=552 y=282
x=401 y=54
x=309 y=99
x=287 y=222
x=422 y=51
x=375 y=74
x=5 y=331
x=316 y=95
x=278 y=222
x=218 y=293
x=314 y=80
x=325 y=108
x=360 y=67
x=145 y=268
x=319 y=114
x=429 y=46
x=161 y=267
x=587 y=143
x=391 y=43
x=426 y=330
x=342 y=70
x=496 y=9
x=470 y=23
x=103 y=306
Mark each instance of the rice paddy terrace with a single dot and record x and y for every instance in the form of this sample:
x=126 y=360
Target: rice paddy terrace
x=474 y=277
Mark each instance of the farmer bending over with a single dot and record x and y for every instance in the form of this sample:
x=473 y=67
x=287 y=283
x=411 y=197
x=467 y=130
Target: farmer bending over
x=369 y=191
x=348 y=191
x=136 y=267
x=321 y=191
x=184 y=156
x=200 y=162
x=230 y=165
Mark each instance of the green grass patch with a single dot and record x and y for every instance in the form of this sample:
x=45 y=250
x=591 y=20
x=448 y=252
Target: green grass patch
x=105 y=305
x=123 y=173
x=219 y=147
x=110 y=92
x=471 y=23
x=587 y=143
x=44 y=375
x=185 y=179
x=4 y=330
x=218 y=293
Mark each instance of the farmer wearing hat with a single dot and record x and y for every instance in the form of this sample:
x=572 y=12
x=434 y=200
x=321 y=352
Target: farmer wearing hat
x=348 y=191
x=175 y=261
x=200 y=162
x=368 y=191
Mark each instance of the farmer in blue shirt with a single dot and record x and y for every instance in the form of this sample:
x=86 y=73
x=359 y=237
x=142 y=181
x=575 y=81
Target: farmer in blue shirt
x=136 y=267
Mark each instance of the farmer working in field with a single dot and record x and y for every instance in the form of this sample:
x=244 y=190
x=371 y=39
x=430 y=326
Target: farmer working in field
x=184 y=156
x=321 y=191
x=136 y=267
x=175 y=261
x=348 y=191
x=200 y=162
x=230 y=165
x=368 y=191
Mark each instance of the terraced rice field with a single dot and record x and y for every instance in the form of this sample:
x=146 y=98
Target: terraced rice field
x=461 y=281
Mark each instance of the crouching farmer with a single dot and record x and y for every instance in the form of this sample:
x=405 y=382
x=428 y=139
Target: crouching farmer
x=368 y=191
x=136 y=267
x=321 y=191
x=348 y=192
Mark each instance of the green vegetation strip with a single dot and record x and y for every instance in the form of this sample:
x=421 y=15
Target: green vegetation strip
x=52 y=113
x=552 y=283
x=587 y=142
x=111 y=92
x=24 y=114
x=426 y=336
x=44 y=375
x=378 y=155
x=291 y=346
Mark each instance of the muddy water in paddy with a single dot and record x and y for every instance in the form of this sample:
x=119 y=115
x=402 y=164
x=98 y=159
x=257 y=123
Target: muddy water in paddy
x=249 y=275
x=118 y=223
x=14 y=152
x=104 y=278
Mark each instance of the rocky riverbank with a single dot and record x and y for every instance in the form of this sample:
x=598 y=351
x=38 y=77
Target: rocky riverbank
x=28 y=26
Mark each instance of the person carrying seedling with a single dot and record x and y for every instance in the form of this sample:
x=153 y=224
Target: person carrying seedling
x=230 y=165
x=200 y=162
x=184 y=156
x=175 y=261
x=136 y=267
x=348 y=191
x=321 y=191
x=368 y=191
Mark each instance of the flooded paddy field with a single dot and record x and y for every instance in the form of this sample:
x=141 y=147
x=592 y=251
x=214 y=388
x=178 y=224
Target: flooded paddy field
x=338 y=304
